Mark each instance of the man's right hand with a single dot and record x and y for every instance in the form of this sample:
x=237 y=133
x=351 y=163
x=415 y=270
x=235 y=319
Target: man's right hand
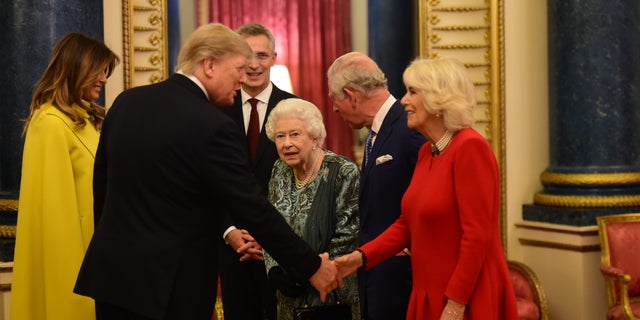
x=325 y=279
x=245 y=245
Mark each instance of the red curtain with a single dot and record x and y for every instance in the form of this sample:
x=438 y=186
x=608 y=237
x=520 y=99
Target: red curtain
x=309 y=35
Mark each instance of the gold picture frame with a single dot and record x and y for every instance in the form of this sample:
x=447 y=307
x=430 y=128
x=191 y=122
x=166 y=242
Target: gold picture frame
x=145 y=42
x=473 y=32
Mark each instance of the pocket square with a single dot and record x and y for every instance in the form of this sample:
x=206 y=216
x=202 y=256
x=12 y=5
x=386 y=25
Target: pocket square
x=383 y=159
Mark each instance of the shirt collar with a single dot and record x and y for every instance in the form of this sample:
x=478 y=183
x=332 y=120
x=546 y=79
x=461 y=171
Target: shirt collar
x=196 y=81
x=262 y=96
x=382 y=113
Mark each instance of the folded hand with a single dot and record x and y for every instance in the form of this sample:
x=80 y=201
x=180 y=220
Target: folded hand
x=245 y=245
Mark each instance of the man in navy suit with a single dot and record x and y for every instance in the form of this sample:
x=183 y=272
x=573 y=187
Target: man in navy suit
x=358 y=89
x=244 y=281
x=169 y=166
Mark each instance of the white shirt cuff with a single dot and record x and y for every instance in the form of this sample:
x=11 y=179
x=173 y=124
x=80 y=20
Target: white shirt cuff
x=226 y=232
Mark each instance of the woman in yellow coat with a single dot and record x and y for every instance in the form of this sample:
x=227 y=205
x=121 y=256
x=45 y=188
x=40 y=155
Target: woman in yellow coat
x=55 y=213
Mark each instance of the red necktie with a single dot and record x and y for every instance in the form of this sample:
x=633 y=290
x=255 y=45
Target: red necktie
x=253 y=131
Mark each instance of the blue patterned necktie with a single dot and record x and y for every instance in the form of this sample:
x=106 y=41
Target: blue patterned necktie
x=368 y=145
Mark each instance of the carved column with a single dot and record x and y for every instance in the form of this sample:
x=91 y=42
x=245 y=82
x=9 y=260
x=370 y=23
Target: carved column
x=594 y=112
x=28 y=32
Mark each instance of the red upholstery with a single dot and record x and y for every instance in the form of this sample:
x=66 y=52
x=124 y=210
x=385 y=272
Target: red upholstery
x=530 y=298
x=620 y=244
x=623 y=238
x=527 y=304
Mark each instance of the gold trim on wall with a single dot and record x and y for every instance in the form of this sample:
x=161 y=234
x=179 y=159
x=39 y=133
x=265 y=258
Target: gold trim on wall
x=560 y=246
x=145 y=57
x=472 y=31
x=8 y=231
x=9 y=205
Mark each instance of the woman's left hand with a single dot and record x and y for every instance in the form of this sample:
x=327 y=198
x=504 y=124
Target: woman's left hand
x=453 y=311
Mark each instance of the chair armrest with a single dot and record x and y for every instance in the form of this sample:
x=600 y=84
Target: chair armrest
x=615 y=274
x=623 y=279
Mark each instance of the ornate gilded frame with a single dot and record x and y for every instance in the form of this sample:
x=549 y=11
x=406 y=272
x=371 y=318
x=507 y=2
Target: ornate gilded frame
x=614 y=295
x=473 y=32
x=145 y=42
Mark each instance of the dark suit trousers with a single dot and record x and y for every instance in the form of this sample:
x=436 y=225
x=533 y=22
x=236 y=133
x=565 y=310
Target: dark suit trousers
x=246 y=293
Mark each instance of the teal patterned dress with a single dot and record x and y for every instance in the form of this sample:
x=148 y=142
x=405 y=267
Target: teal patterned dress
x=295 y=205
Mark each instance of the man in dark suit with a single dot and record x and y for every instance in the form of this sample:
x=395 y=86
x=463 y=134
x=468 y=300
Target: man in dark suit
x=169 y=165
x=243 y=281
x=358 y=89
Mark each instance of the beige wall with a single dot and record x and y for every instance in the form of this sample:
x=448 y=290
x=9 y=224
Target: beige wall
x=526 y=104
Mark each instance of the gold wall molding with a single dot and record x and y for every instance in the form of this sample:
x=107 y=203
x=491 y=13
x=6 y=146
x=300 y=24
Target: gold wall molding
x=567 y=238
x=586 y=201
x=472 y=31
x=560 y=246
x=9 y=205
x=145 y=42
x=590 y=179
x=7 y=231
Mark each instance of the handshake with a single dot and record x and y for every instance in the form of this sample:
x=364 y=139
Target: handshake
x=327 y=278
x=330 y=275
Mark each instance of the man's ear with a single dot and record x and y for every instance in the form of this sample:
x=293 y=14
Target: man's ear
x=352 y=94
x=208 y=65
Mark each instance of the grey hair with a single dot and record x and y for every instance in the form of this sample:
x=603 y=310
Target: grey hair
x=447 y=90
x=256 y=29
x=356 y=71
x=299 y=109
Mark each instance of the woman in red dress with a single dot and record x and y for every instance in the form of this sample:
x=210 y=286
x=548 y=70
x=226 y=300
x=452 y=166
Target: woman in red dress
x=450 y=212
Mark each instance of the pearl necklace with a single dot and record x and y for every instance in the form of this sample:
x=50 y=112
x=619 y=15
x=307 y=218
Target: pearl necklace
x=307 y=179
x=438 y=147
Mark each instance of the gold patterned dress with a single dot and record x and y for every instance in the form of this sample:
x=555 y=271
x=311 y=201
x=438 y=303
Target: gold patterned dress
x=296 y=204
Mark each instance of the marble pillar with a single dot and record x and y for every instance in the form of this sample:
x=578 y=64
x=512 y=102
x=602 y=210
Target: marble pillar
x=594 y=113
x=392 y=42
x=29 y=30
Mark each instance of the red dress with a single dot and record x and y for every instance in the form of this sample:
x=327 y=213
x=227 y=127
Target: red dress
x=450 y=221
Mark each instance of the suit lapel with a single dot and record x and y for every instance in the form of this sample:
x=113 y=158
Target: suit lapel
x=381 y=137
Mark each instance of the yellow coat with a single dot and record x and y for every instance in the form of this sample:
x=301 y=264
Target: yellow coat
x=55 y=218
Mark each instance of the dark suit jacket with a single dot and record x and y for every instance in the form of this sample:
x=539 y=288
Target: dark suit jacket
x=385 y=289
x=168 y=166
x=266 y=153
x=247 y=281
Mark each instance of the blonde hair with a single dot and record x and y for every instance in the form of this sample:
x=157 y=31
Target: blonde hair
x=76 y=62
x=212 y=40
x=447 y=90
x=356 y=71
x=299 y=109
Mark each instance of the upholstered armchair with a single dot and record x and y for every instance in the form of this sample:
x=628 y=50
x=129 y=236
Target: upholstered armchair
x=620 y=263
x=532 y=302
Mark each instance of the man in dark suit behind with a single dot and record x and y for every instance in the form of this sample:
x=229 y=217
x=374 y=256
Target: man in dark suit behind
x=358 y=89
x=169 y=165
x=244 y=281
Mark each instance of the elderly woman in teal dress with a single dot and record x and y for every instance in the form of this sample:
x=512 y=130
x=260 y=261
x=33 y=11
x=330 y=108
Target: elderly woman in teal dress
x=316 y=191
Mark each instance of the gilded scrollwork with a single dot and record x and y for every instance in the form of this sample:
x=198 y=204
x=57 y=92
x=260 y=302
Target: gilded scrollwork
x=472 y=32
x=145 y=55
